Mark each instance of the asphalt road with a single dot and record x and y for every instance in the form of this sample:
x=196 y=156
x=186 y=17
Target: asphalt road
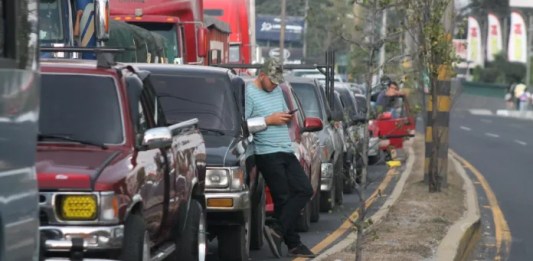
x=328 y=223
x=501 y=149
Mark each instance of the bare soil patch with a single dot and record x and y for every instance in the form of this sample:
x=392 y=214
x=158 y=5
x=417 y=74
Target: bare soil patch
x=417 y=222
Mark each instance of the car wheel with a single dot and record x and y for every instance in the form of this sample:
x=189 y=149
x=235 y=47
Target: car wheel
x=327 y=199
x=304 y=221
x=258 y=222
x=191 y=244
x=136 y=244
x=374 y=159
x=234 y=242
x=315 y=208
x=339 y=179
x=351 y=175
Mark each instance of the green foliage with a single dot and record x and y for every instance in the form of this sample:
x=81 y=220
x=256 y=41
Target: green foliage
x=500 y=71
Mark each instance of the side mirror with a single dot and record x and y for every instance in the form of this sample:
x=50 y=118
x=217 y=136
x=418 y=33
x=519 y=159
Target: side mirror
x=157 y=138
x=256 y=124
x=385 y=116
x=101 y=21
x=202 y=42
x=312 y=124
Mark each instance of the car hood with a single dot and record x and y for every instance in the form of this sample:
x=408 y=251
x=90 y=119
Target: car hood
x=71 y=169
x=219 y=150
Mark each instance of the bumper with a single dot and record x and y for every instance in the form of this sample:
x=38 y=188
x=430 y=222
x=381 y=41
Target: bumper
x=65 y=238
x=326 y=182
x=220 y=201
x=373 y=146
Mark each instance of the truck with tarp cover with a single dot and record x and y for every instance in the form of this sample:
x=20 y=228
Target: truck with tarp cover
x=86 y=23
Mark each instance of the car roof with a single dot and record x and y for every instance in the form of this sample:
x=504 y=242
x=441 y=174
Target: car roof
x=300 y=80
x=173 y=68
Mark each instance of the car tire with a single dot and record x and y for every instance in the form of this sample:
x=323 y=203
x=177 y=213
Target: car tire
x=315 y=208
x=191 y=244
x=234 y=242
x=327 y=199
x=374 y=159
x=304 y=221
x=258 y=222
x=339 y=186
x=135 y=246
x=351 y=175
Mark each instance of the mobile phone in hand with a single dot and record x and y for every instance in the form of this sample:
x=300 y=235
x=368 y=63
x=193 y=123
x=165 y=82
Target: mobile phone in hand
x=293 y=111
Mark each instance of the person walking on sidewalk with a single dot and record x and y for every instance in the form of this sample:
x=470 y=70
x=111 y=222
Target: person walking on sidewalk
x=289 y=186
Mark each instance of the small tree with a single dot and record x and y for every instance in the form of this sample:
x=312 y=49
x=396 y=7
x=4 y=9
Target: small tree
x=430 y=24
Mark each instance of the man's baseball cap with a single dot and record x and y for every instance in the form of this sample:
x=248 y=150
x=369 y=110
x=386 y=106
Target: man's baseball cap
x=273 y=69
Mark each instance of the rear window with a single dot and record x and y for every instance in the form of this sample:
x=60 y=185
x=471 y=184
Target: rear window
x=361 y=104
x=207 y=98
x=307 y=95
x=81 y=107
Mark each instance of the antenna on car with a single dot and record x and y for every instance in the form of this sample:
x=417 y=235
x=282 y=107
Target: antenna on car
x=104 y=56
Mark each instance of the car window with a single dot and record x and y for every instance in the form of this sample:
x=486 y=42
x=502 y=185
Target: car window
x=208 y=98
x=50 y=20
x=309 y=98
x=80 y=106
x=361 y=104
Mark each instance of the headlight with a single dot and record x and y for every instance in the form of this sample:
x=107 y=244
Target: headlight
x=232 y=178
x=78 y=207
x=327 y=170
x=108 y=207
x=216 y=178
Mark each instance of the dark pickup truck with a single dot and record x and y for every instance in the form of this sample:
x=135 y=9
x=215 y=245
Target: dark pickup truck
x=235 y=197
x=115 y=181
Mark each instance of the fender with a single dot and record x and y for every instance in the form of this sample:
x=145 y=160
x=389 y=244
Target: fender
x=136 y=200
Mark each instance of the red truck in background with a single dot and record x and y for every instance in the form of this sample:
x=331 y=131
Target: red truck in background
x=180 y=21
x=235 y=13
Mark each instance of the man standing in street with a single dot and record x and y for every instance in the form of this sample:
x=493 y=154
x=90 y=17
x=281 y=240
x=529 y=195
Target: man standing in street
x=289 y=185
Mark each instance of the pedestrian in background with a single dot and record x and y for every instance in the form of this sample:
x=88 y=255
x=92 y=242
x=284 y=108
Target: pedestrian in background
x=290 y=187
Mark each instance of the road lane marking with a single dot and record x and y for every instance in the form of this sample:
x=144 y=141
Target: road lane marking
x=486 y=121
x=347 y=225
x=492 y=135
x=482 y=112
x=501 y=228
x=523 y=143
x=465 y=128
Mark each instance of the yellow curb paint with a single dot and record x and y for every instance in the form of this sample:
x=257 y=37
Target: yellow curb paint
x=502 y=231
x=347 y=224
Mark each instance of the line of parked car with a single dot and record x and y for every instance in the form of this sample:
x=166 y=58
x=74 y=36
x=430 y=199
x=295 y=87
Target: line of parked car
x=152 y=161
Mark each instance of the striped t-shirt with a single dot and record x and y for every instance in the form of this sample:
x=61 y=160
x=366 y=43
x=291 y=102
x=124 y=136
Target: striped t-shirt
x=260 y=103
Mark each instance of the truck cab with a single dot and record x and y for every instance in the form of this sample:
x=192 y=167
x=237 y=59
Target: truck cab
x=115 y=181
x=180 y=22
x=234 y=190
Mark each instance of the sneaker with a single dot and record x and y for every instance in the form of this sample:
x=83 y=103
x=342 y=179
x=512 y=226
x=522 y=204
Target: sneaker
x=274 y=240
x=301 y=251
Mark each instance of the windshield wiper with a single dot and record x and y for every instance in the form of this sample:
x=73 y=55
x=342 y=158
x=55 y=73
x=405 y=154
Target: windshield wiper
x=68 y=138
x=215 y=131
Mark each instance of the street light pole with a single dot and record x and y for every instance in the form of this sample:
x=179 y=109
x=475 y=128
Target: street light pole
x=282 y=32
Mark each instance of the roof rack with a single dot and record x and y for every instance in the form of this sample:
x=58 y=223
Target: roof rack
x=104 y=56
x=327 y=69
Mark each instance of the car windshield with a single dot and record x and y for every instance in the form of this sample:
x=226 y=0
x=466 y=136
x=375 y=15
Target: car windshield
x=306 y=93
x=167 y=30
x=81 y=107
x=361 y=104
x=50 y=20
x=207 y=98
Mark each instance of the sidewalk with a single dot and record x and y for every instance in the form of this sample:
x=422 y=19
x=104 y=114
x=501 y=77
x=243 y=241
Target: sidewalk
x=414 y=224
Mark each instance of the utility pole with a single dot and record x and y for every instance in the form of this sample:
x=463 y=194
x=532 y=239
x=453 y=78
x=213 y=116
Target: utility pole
x=305 y=32
x=382 y=49
x=282 y=32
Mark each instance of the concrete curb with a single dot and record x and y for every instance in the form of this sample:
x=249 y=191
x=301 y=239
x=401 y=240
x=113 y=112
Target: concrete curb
x=383 y=210
x=462 y=235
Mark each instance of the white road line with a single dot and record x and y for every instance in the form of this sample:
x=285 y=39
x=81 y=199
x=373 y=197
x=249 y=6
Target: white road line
x=523 y=143
x=492 y=135
x=486 y=121
x=480 y=112
x=465 y=128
